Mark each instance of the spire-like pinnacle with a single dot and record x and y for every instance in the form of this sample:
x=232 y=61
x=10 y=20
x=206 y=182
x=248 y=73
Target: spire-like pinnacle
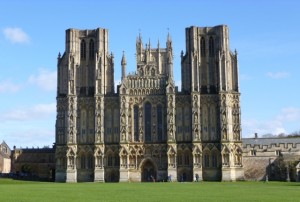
x=149 y=44
x=158 y=43
x=123 y=61
x=139 y=38
x=169 y=37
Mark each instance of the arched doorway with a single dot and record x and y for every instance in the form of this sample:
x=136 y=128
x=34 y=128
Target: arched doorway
x=148 y=172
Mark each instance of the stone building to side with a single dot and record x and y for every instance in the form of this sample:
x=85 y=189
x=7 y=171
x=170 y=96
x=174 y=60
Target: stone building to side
x=35 y=163
x=271 y=158
x=147 y=129
x=5 y=160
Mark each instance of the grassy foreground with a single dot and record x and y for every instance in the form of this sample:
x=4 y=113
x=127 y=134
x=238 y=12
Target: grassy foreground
x=14 y=190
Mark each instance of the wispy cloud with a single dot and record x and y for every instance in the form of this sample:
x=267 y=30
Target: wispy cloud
x=45 y=79
x=37 y=112
x=9 y=87
x=289 y=114
x=33 y=137
x=278 y=75
x=276 y=125
x=244 y=77
x=16 y=35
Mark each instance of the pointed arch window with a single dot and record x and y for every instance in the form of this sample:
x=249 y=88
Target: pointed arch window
x=117 y=160
x=148 y=122
x=82 y=49
x=90 y=162
x=211 y=46
x=206 y=160
x=186 y=158
x=91 y=49
x=179 y=158
x=82 y=162
x=214 y=160
x=159 y=123
x=110 y=160
x=202 y=46
x=136 y=123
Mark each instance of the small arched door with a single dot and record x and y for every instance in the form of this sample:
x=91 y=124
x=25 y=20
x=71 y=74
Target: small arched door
x=148 y=172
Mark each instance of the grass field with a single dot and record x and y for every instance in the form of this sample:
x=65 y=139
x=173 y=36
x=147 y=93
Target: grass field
x=14 y=190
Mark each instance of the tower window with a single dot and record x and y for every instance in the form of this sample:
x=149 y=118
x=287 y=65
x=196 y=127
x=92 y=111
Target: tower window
x=82 y=49
x=202 y=46
x=136 y=123
x=109 y=160
x=186 y=158
x=91 y=49
x=206 y=160
x=211 y=47
x=148 y=122
x=159 y=123
x=214 y=160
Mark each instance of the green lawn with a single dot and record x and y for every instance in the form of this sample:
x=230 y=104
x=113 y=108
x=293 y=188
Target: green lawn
x=14 y=190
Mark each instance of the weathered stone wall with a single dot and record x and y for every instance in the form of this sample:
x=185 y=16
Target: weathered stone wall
x=255 y=168
x=34 y=162
x=271 y=158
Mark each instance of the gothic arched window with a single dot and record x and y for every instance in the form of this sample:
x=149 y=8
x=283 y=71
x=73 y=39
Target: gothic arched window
x=136 y=123
x=82 y=49
x=211 y=47
x=90 y=161
x=82 y=161
x=202 y=46
x=179 y=158
x=117 y=160
x=206 y=160
x=214 y=160
x=91 y=49
x=148 y=122
x=159 y=123
x=109 y=160
x=186 y=158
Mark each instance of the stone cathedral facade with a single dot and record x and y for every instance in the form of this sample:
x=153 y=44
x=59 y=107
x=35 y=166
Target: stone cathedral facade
x=148 y=129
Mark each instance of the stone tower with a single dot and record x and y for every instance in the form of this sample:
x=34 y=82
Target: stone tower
x=85 y=76
x=210 y=76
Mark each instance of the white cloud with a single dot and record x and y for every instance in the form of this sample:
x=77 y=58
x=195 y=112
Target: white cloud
x=276 y=125
x=278 y=75
x=8 y=86
x=16 y=35
x=289 y=114
x=244 y=77
x=37 y=112
x=46 y=80
x=262 y=127
x=33 y=137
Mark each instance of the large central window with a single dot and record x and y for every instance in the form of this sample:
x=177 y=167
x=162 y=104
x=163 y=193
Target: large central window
x=147 y=122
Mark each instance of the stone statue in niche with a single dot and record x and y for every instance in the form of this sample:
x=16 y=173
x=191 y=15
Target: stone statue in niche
x=195 y=101
x=170 y=101
x=123 y=102
x=196 y=117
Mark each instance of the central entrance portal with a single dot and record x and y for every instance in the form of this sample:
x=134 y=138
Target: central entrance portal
x=148 y=172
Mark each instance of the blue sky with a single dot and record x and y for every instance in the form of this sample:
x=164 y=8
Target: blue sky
x=32 y=33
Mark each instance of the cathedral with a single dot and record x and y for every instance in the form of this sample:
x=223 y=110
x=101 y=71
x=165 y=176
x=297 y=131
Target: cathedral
x=148 y=130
